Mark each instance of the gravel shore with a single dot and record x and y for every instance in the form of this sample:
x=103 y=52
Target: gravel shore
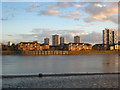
x=94 y=81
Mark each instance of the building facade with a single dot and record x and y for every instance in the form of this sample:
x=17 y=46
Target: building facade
x=99 y=47
x=62 y=40
x=79 y=46
x=114 y=37
x=46 y=41
x=76 y=39
x=32 y=46
x=55 y=40
x=109 y=37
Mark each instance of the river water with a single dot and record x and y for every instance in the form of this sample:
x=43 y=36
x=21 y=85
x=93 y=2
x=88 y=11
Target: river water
x=12 y=64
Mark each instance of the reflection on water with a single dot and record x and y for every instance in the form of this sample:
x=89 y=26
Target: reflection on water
x=59 y=64
x=111 y=62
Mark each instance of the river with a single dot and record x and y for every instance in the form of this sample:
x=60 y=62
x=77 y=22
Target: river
x=13 y=64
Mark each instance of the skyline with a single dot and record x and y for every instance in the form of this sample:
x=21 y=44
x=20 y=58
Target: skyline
x=76 y=39
x=37 y=20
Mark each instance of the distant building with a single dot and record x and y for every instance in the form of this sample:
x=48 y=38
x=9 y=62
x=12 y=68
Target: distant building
x=115 y=47
x=10 y=43
x=72 y=47
x=62 y=40
x=32 y=46
x=55 y=40
x=99 y=47
x=109 y=37
x=79 y=46
x=36 y=42
x=46 y=41
x=0 y=46
x=118 y=45
x=76 y=39
x=45 y=47
x=54 y=48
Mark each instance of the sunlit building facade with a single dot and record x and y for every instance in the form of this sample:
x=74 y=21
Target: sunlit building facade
x=46 y=41
x=109 y=37
x=76 y=39
x=32 y=46
x=55 y=40
x=79 y=46
x=62 y=40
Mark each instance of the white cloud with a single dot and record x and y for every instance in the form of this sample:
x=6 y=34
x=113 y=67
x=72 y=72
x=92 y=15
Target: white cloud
x=100 y=5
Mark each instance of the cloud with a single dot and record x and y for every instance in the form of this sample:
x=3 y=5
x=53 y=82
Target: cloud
x=52 y=7
x=39 y=30
x=34 y=5
x=78 y=6
x=102 y=11
x=76 y=15
x=49 y=12
x=100 y=5
x=99 y=12
x=41 y=33
x=93 y=37
x=91 y=19
x=64 y=4
x=113 y=18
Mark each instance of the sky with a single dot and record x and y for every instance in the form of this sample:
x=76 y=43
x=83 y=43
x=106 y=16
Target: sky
x=30 y=21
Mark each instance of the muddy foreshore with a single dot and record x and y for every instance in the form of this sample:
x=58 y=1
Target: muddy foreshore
x=85 y=81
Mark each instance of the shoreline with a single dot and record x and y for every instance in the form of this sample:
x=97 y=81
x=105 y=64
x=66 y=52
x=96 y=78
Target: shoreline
x=86 y=52
x=59 y=74
x=88 y=81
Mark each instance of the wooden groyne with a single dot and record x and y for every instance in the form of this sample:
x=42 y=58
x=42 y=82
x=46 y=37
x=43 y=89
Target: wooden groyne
x=87 y=52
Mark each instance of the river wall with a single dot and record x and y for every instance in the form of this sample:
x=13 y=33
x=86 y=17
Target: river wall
x=87 y=52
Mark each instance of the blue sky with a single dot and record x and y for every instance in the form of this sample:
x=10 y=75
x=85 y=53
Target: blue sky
x=30 y=21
